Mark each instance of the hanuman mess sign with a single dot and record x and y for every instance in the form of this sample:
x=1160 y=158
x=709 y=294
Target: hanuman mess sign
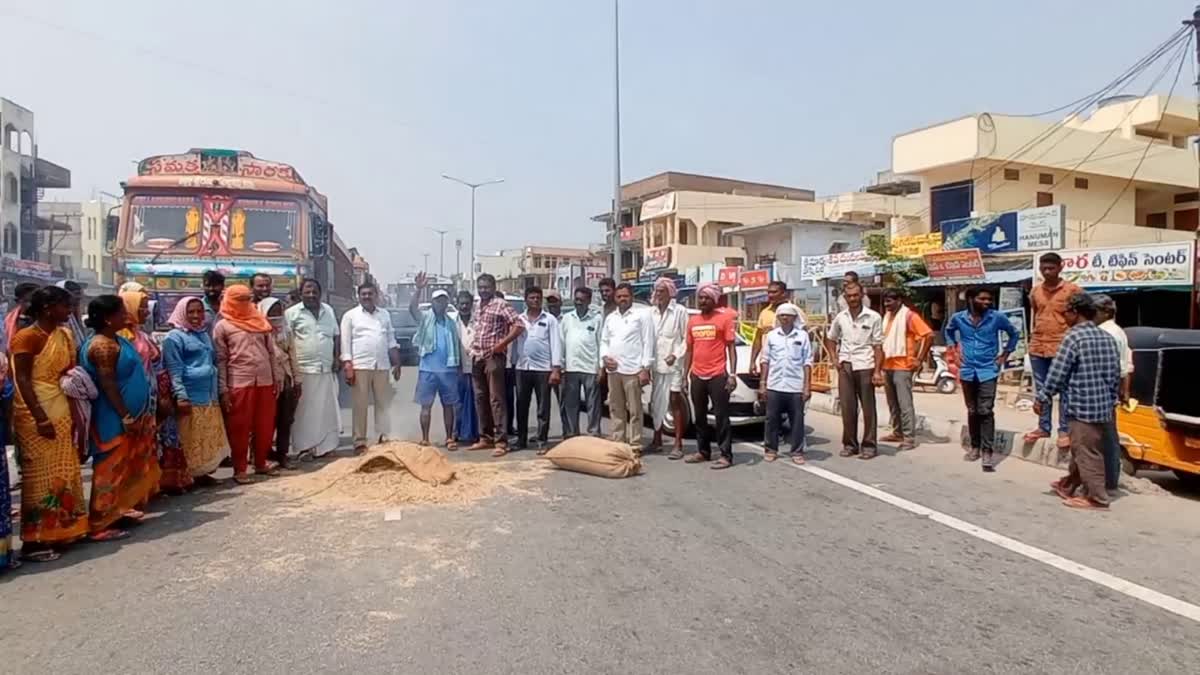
x=1137 y=265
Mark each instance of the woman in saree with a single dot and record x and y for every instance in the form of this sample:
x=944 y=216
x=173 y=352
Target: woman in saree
x=8 y=558
x=53 y=513
x=191 y=364
x=125 y=472
x=248 y=378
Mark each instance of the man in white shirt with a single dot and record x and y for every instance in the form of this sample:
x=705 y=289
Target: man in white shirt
x=856 y=336
x=1106 y=315
x=670 y=330
x=627 y=351
x=581 y=364
x=315 y=334
x=786 y=382
x=372 y=361
x=537 y=355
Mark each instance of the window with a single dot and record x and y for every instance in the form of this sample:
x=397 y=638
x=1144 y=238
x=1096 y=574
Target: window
x=10 y=238
x=1045 y=199
x=1187 y=197
x=1012 y=174
x=1158 y=220
x=1187 y=219
x=1081 y=184
x=950 y=201
x=12 y=188
x=537 y=262
x=1046 y=179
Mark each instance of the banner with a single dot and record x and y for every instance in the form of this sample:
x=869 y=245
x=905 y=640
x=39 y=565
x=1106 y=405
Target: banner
x=832 y=264
x=966 y=264
x=916 y=245
x=1039 y=229
x=1134 y=265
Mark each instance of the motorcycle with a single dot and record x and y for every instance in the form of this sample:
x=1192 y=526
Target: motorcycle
x=943 y=376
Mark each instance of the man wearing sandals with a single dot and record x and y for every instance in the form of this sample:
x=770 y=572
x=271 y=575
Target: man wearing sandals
x=627 y=352
x=437 y=346
x=1087 y=368
x=856 y=336
x=537 y=356
x=495 y=326
x=710 y=369
x=371 y=359
x=786 y=380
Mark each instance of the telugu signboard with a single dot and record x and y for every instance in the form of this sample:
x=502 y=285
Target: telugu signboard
x=1039 y=229
x=916 y=245
x=657 y=259
x=728 y=277
x=966 y=265
x=832 y=264
x=1124 y=266
x=753 y=280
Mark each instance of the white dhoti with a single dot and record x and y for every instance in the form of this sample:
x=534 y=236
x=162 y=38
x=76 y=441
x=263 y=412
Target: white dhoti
x=663 y=384
x=318 y=417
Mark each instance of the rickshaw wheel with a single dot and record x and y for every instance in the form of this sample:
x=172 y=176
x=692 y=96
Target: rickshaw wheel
x=1190 y=480
x=1128 y=467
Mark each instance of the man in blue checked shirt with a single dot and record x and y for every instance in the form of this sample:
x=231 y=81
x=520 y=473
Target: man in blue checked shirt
x=1087 y=368
x=976 y=331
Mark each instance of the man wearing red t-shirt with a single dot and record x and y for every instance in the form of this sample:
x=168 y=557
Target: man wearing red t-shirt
x=710 y=366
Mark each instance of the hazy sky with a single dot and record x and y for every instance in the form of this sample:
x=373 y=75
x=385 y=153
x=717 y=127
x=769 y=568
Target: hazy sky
x=372 y=101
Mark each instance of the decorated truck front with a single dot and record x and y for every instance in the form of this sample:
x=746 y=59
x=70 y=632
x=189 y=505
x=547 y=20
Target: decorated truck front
x=223 y=210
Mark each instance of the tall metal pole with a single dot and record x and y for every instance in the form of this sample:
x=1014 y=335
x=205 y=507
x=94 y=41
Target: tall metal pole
x=425 y=266
x=1195 y=24
x=471 y=262
x=616 y=205
x=441 y=249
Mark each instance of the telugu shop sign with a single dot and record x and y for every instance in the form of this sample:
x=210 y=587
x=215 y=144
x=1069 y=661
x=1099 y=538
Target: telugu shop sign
x=966 y=264
x=753 y=280
x=832 y=264
x=1124 y=266
x=916 y=245
x=1039 y=229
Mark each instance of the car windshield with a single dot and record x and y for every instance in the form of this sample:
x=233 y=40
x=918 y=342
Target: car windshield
x=402 y=319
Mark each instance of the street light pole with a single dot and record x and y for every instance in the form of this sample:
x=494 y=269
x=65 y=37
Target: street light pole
x=425 y=266
x=616 y=205
x=474 y=187
x=441 y=248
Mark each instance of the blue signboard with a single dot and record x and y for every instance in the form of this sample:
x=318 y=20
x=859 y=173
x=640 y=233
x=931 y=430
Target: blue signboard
x=1037 y=229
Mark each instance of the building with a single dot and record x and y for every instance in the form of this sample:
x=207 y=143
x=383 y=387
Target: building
x=96 y=262
x=1125 y=171
x=504 y=265
x=362 y=268
x=539 y=265
x=61 y=243
x=22 y=176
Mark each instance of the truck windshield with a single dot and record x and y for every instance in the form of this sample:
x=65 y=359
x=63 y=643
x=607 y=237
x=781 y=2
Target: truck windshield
x=252 y=226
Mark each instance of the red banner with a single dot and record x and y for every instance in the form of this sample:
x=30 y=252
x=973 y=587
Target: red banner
x=753 y=280
x=728 y=277
x=966 y=264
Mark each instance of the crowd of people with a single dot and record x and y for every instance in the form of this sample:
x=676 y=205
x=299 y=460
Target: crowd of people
x=244 y=376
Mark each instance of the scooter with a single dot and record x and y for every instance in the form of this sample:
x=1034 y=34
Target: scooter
x=943 y=376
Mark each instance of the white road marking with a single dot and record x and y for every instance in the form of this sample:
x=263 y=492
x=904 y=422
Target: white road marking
x=1147 y=595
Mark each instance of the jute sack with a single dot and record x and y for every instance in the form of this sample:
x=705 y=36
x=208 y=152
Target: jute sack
x=595 y=456
x=425 y=463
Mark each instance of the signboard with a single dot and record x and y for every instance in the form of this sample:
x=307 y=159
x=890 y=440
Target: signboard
x=28 y=268
x=629 y=275
x=631 y=233
x=916 y=245
x=832 y=264
x=1010 y=297
x=728 y=277
x=754 y=298
x=657 y=259
x=966 y=264
x=1039 y=229
x=753 y=280
x=1016 y=360
x=659 y=206
x=1134 y=265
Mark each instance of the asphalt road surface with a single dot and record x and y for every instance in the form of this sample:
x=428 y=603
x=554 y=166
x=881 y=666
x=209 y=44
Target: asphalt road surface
x=910 y=563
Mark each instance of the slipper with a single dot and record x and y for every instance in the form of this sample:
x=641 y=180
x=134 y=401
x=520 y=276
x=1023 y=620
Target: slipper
x=1083 y=503
x=306 y=456
x=451 y=445
x=1061 y=491
x=868 y=454
x=267 y=471
x=109 y=535
x=798 y=458
x=542 y=450
x=43 y=556
x=242 y=479
x=424 y=443
x=695 y=458
x=677 y=453
x=721 y=464
x=480 y=445
x=134 y=515
x=847 y=452
x=771 y=456
x=500 y=451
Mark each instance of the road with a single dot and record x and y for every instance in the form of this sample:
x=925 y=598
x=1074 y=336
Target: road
x=764 y=568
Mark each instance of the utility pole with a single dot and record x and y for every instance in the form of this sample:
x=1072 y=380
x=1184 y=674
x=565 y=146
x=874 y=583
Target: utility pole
x=441 y=249
x=616 y=206
x=1194 y=22
x=474 y=187
x=458 y=258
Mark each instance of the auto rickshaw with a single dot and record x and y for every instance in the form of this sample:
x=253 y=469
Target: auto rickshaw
x=1162 y=429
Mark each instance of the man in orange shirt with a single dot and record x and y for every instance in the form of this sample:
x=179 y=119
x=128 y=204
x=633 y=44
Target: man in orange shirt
x=906 y=342
x=1049 y=302
x=709 y=372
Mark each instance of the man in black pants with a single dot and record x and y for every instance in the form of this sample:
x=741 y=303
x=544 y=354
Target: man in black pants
x=710 y=372
x=537 y=354
x=975 y=330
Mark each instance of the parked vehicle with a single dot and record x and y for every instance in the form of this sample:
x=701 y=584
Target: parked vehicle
x=1161 y=425
x=943 y=375
x=405 y=329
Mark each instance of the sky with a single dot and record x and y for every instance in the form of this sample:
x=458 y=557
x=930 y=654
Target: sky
x=372 y=100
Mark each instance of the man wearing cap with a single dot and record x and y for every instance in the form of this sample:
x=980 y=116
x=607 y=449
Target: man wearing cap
x=438 y=344
x=786 y=382
x=670 y=329
x=1087 y=368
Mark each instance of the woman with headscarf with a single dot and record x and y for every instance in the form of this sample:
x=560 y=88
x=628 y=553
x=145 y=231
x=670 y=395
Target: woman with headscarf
x=125 y=471
x=52 y=504
x=289 y=391
x=169 y=455
x=191 y=364
x=248 y=377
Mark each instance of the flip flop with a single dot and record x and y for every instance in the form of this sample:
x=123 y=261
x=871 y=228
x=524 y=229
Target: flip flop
x=43 y=556
x=1084 y=503
x=451 y=445
x=480 y=445
x=721 y=464
x=677 y=453
x=109 y=535
x=243 y=479
x=695 y=458
x=771 y=456
x=500 y=451
x=798 y=458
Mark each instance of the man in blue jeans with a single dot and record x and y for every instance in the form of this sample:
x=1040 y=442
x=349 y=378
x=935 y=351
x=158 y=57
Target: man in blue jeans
x=437 y=342
x=1048 y=301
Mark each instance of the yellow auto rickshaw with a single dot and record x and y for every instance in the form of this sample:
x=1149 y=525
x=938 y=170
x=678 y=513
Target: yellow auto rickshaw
x=1161 y=426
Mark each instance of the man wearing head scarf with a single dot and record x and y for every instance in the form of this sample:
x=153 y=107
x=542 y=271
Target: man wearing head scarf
x=248 y=377
x=670 y=328
x=1087 y=368
x=710 y=373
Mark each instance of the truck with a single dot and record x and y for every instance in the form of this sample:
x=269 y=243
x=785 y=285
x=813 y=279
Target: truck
x=225 y=210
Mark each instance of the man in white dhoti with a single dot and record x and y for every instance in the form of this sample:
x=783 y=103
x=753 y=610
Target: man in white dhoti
x=318 y=358
x=670 y=327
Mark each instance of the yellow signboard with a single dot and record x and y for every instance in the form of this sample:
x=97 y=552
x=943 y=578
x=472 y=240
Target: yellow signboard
x=916 y=245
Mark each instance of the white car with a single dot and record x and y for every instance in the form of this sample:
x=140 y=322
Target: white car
x=742 y=408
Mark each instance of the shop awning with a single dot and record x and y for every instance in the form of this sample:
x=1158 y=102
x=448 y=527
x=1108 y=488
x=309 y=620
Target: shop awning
x=992 y=278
